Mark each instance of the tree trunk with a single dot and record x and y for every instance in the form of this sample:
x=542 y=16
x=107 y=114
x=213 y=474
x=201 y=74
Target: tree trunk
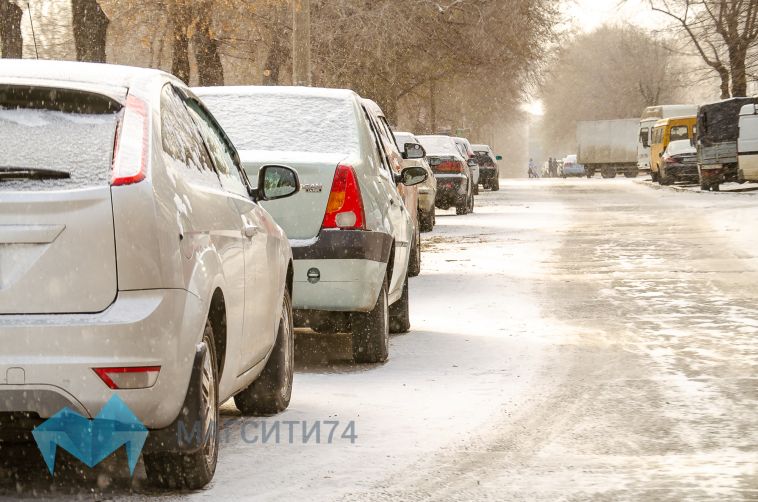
x=737 y=57
x=209 y=68
x=278 y=54
x=10 y=30
x=90 y=27
x=724 y=76
x=432 y=107
x=180 y=65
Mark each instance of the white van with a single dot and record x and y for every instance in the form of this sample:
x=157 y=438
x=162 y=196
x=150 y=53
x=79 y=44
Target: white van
x=650 y=116
x=747 y=143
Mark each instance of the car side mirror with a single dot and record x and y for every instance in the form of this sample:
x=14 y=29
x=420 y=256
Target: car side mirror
x=413 y=151
x=276 y=182
x=499 y=157
x=411 y=176
x=472 y=163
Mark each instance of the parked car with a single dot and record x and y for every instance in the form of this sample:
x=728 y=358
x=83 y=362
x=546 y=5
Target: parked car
x=489 y=171
x=468 y=153
x=146 y=270
x=650 y=116
x=571 y=167
x=665 y=131
x=678 y=163
x=455 y=185
x=717 y=133
x=409 y=193
x=349 y=229
x=427 y=191
x=747 y=143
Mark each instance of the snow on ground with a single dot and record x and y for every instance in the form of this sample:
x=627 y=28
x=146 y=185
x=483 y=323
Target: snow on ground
x=572 y=340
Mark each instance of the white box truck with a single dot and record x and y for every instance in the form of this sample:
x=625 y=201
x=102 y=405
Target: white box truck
x=608 y=146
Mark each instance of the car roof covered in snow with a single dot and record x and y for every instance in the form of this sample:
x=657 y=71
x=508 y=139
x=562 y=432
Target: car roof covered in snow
x=74 y=74
x=280 y=90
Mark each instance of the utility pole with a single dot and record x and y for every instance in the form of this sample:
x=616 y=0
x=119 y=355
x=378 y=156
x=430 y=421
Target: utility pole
x=433 y=106
x=301 y=42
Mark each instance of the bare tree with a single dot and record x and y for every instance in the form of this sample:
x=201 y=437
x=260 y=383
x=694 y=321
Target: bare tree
x=10 y=30
x=90 y=29
x=723 y=33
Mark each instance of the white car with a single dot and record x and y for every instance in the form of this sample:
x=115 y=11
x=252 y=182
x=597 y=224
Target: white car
x=146 y=270
x=350 y=231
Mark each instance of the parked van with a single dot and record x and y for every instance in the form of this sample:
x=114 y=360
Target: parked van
x=747 y=143
x=664 y=132
x=650 y=116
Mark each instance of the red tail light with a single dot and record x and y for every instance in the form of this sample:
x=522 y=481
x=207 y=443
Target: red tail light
x=672 y=160
x=132 y=145
x=129 y=377
x=449 y=166
x=345 y=207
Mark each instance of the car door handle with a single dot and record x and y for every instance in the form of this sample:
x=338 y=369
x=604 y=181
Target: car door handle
x=249 y=230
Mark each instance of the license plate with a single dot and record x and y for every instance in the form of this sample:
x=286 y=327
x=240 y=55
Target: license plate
x=711 y=167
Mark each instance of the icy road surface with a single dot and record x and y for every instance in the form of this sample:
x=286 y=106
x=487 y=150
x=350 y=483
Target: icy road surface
x=573 y=340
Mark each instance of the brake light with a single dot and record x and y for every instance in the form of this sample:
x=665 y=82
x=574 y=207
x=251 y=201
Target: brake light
x=672 y=160
x=132 y=145
x=449 y=166
x=345 y=206
x=129 y=377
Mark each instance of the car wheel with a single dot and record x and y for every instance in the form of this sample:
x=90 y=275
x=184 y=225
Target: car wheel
x=371 y=335
x=495 y=185
x=462 y=208
x=426 y=221
x=716 y=187
x=476 y=189
x=400 y=321
x=193 y=471
x=414 y=263
x=471 y=204
x=654 y=176
x=663 y=179
x=632 y=174
x=270 y=393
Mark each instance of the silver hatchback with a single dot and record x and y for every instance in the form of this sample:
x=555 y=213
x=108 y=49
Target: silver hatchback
x=135 y=260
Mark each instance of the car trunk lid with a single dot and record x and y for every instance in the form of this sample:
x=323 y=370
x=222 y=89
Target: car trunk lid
x=57 y=251
x=301 y=215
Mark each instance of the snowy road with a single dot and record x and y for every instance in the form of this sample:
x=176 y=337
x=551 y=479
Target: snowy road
x=583 y=339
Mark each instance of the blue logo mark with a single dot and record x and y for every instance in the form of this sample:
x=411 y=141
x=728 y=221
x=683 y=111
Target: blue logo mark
x=92 y=441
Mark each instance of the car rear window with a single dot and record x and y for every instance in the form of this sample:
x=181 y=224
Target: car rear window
x=439 y=146
x=274 y=122
x=484 y=159
x=63 y=130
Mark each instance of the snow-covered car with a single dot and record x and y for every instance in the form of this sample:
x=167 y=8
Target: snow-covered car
x=143 y=268
x=678 y=163
x=427 y=191
x=349 y=229
x=464 y=146
x=572 y=168
x=489 y=172
x=453 y=172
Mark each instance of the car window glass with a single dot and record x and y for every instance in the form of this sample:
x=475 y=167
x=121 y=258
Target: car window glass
x=679 y=132
x=179 y=136
x=220 y=152
x=378 y=145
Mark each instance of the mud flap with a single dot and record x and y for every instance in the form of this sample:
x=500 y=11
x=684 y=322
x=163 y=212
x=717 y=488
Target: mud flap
x=184 y=435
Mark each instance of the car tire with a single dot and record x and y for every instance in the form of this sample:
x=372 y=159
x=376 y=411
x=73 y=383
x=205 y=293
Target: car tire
x=495 y=185
x=270 y=393
x=371 y=335
x=654 y=176
x=426 y=220
x=716 y=187
x=632 y=174
x=400 y=321
x=476 y=189
x=663 y=179
x=462 y=209
x=414 y=262
x=192 y=471
x=471 y=204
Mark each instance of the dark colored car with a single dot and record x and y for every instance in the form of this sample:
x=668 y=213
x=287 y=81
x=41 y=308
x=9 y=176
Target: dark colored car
x=489 y=172
x=453 y=172
x=678 y=163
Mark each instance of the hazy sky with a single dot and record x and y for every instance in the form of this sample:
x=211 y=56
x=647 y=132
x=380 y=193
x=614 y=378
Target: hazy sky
x=590 y=14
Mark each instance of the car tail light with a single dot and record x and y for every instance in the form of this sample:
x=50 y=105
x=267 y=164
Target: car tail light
x=449 y=166
x=345 y=207
x=672 y=160
x=132 y=144
x=129 y=377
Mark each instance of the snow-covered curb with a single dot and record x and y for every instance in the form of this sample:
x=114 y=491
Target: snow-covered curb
x=749 y=189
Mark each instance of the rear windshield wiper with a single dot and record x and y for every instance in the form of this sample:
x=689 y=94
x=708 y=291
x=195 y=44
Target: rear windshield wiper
x=7 y=173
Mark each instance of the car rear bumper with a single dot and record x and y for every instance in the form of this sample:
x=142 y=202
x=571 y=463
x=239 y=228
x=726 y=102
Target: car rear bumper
x=47 y=361
x=487 y=174
x=341 y=270
x=682 y=171
x=451 y=190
